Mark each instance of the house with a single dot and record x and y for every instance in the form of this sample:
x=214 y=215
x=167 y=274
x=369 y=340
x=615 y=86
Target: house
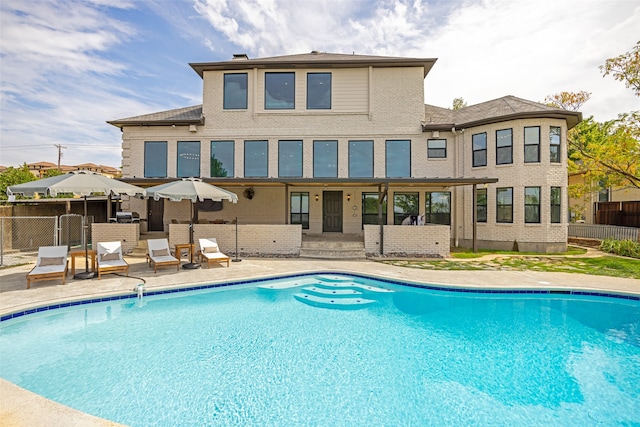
x=40 y=168
x=337 y=143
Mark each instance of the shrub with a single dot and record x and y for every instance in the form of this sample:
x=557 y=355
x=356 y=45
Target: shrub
x=628 y=248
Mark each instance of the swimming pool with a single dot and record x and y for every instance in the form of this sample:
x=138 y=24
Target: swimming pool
x=338 y=350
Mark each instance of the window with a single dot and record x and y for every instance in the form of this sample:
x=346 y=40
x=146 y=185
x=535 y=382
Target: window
x=405 y=205
x=504 y=204
x=256 y=158
x=300 y=209
x=155 y=159
x=479 y=142
x=235 y=91
x=279 y=91
x=290 y=158
x=532 y=204
x=437 y=207
x=437 y=148
x=398 y=158
x=370 y=209
x=554 y=144
x=603 y=193
x=532 y=144
x=319 y=91
x=360 y=159
x=325 y=159
x=556 y=193
x=481 y=205
x=222 y=161
x=188 y=159
x=504 y=146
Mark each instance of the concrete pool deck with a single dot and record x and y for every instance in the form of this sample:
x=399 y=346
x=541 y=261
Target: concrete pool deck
x=19 y=407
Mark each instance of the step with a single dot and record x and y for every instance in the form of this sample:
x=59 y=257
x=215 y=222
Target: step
x=334 y=303
x=332 y=253
x=352 y=286
x=332 y=293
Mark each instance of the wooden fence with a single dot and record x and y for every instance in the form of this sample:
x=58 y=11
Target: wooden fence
x=626 y=214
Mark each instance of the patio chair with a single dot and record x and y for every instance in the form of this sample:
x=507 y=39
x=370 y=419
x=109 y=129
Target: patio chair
x=110 y=258
x=160 y=255
x=51 y=264
x=210 y=251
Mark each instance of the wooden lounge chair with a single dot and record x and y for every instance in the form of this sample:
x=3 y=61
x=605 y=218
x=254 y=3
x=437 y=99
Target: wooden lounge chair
x=160 y=255
x=210 y=251
x=51 y=264
x=110 y=258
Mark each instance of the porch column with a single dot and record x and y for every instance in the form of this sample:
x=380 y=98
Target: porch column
x=286 y=203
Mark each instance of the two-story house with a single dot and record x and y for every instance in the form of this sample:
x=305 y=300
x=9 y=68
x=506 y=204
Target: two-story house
x=343 y=143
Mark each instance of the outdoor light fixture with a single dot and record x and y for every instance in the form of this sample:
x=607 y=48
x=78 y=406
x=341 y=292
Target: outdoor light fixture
x=317 y=197
x=348 y=197
x=435 y=134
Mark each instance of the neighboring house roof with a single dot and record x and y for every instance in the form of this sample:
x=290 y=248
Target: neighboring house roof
x=497 y=110
x=180 y=116
x=314 y=59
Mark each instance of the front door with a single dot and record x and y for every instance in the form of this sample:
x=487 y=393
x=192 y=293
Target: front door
x=155 y=212
x=332 y=211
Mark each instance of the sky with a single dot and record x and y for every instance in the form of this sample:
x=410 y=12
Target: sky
x=68 y=66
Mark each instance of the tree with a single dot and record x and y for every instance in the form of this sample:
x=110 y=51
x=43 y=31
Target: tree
x=51 y=172
x=571 y=101
x=625 y=68
x=459 y=103
x=13 y=176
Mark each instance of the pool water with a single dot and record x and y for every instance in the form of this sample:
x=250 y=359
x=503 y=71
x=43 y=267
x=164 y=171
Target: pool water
x=268 y=355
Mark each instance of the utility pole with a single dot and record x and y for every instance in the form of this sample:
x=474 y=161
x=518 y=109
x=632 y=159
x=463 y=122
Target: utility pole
x=60 y=147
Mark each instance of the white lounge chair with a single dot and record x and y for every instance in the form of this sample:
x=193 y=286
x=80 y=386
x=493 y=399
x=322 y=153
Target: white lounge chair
x=110 y=258
x=51 y=264
x=160 y=255
x=210 y=251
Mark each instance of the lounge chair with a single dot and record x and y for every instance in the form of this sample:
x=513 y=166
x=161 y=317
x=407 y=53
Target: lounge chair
x=160 y=255
x=51 y=264
x=110 y=258
x=210 y=251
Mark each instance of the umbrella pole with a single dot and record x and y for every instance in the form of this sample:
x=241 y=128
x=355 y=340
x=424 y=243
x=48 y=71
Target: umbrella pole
x=85 y=227
x=191 y=265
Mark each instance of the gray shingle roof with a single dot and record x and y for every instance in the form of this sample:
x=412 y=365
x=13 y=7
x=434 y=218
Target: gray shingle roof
x=180 y=116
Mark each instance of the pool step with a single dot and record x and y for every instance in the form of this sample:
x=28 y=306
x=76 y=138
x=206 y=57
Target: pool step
x=343 y=303
x=321 y=291
x=351 y=285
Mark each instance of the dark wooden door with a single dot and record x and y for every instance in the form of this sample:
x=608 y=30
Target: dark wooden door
x=332 y=211
x=155 y=215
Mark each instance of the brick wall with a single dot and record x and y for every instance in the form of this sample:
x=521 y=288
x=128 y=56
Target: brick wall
x=109 y=232
x=407 y=240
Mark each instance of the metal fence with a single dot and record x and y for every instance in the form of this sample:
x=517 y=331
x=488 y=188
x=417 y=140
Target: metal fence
x=21 y=236
x=594 y=231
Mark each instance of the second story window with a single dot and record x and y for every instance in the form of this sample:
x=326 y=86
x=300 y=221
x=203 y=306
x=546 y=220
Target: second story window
x=532 y=144
x=437 y=148
x=235 y=91
x=504 y=146
x=319 y=91
x=188 y=159
x=479 y=142
x=290 y=158
x=256 y=158
x=398 y=158
x=279 y=91
x=155 y=159
x=325 y=159
x=360 y=159
x=222 y=159
x=554 y=144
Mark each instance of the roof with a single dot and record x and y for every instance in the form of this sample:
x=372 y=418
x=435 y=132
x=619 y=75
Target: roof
x=314 y=59
x=180 y=116
x=494 y=111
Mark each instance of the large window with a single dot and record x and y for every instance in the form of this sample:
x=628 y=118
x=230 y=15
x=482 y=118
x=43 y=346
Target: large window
x=155 y=159
x=532 y=144
x=437 y=148
x=222 y=153
x=290 y=158
x=481 y=205
x=235 y=91
x=504 y=204
x=504 y=146
x=479 y=142
x=360 y=159
x=405 y=206
x=256 y=159
x=188 y=159
x=300 y=209
x=556 y=193
x=437 y=207
x=370 y=209
x=532 y=204
x=325 y=159
x=398 y=158
x=319 y=91
x=279 y=91
x=554 y=144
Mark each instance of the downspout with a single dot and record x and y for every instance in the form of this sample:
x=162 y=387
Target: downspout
x=456 y=174
x=473 y=219
x=381 y=196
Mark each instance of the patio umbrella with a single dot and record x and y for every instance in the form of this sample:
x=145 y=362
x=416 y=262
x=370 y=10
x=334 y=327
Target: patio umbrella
x=191 y=189
x=80 y=183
